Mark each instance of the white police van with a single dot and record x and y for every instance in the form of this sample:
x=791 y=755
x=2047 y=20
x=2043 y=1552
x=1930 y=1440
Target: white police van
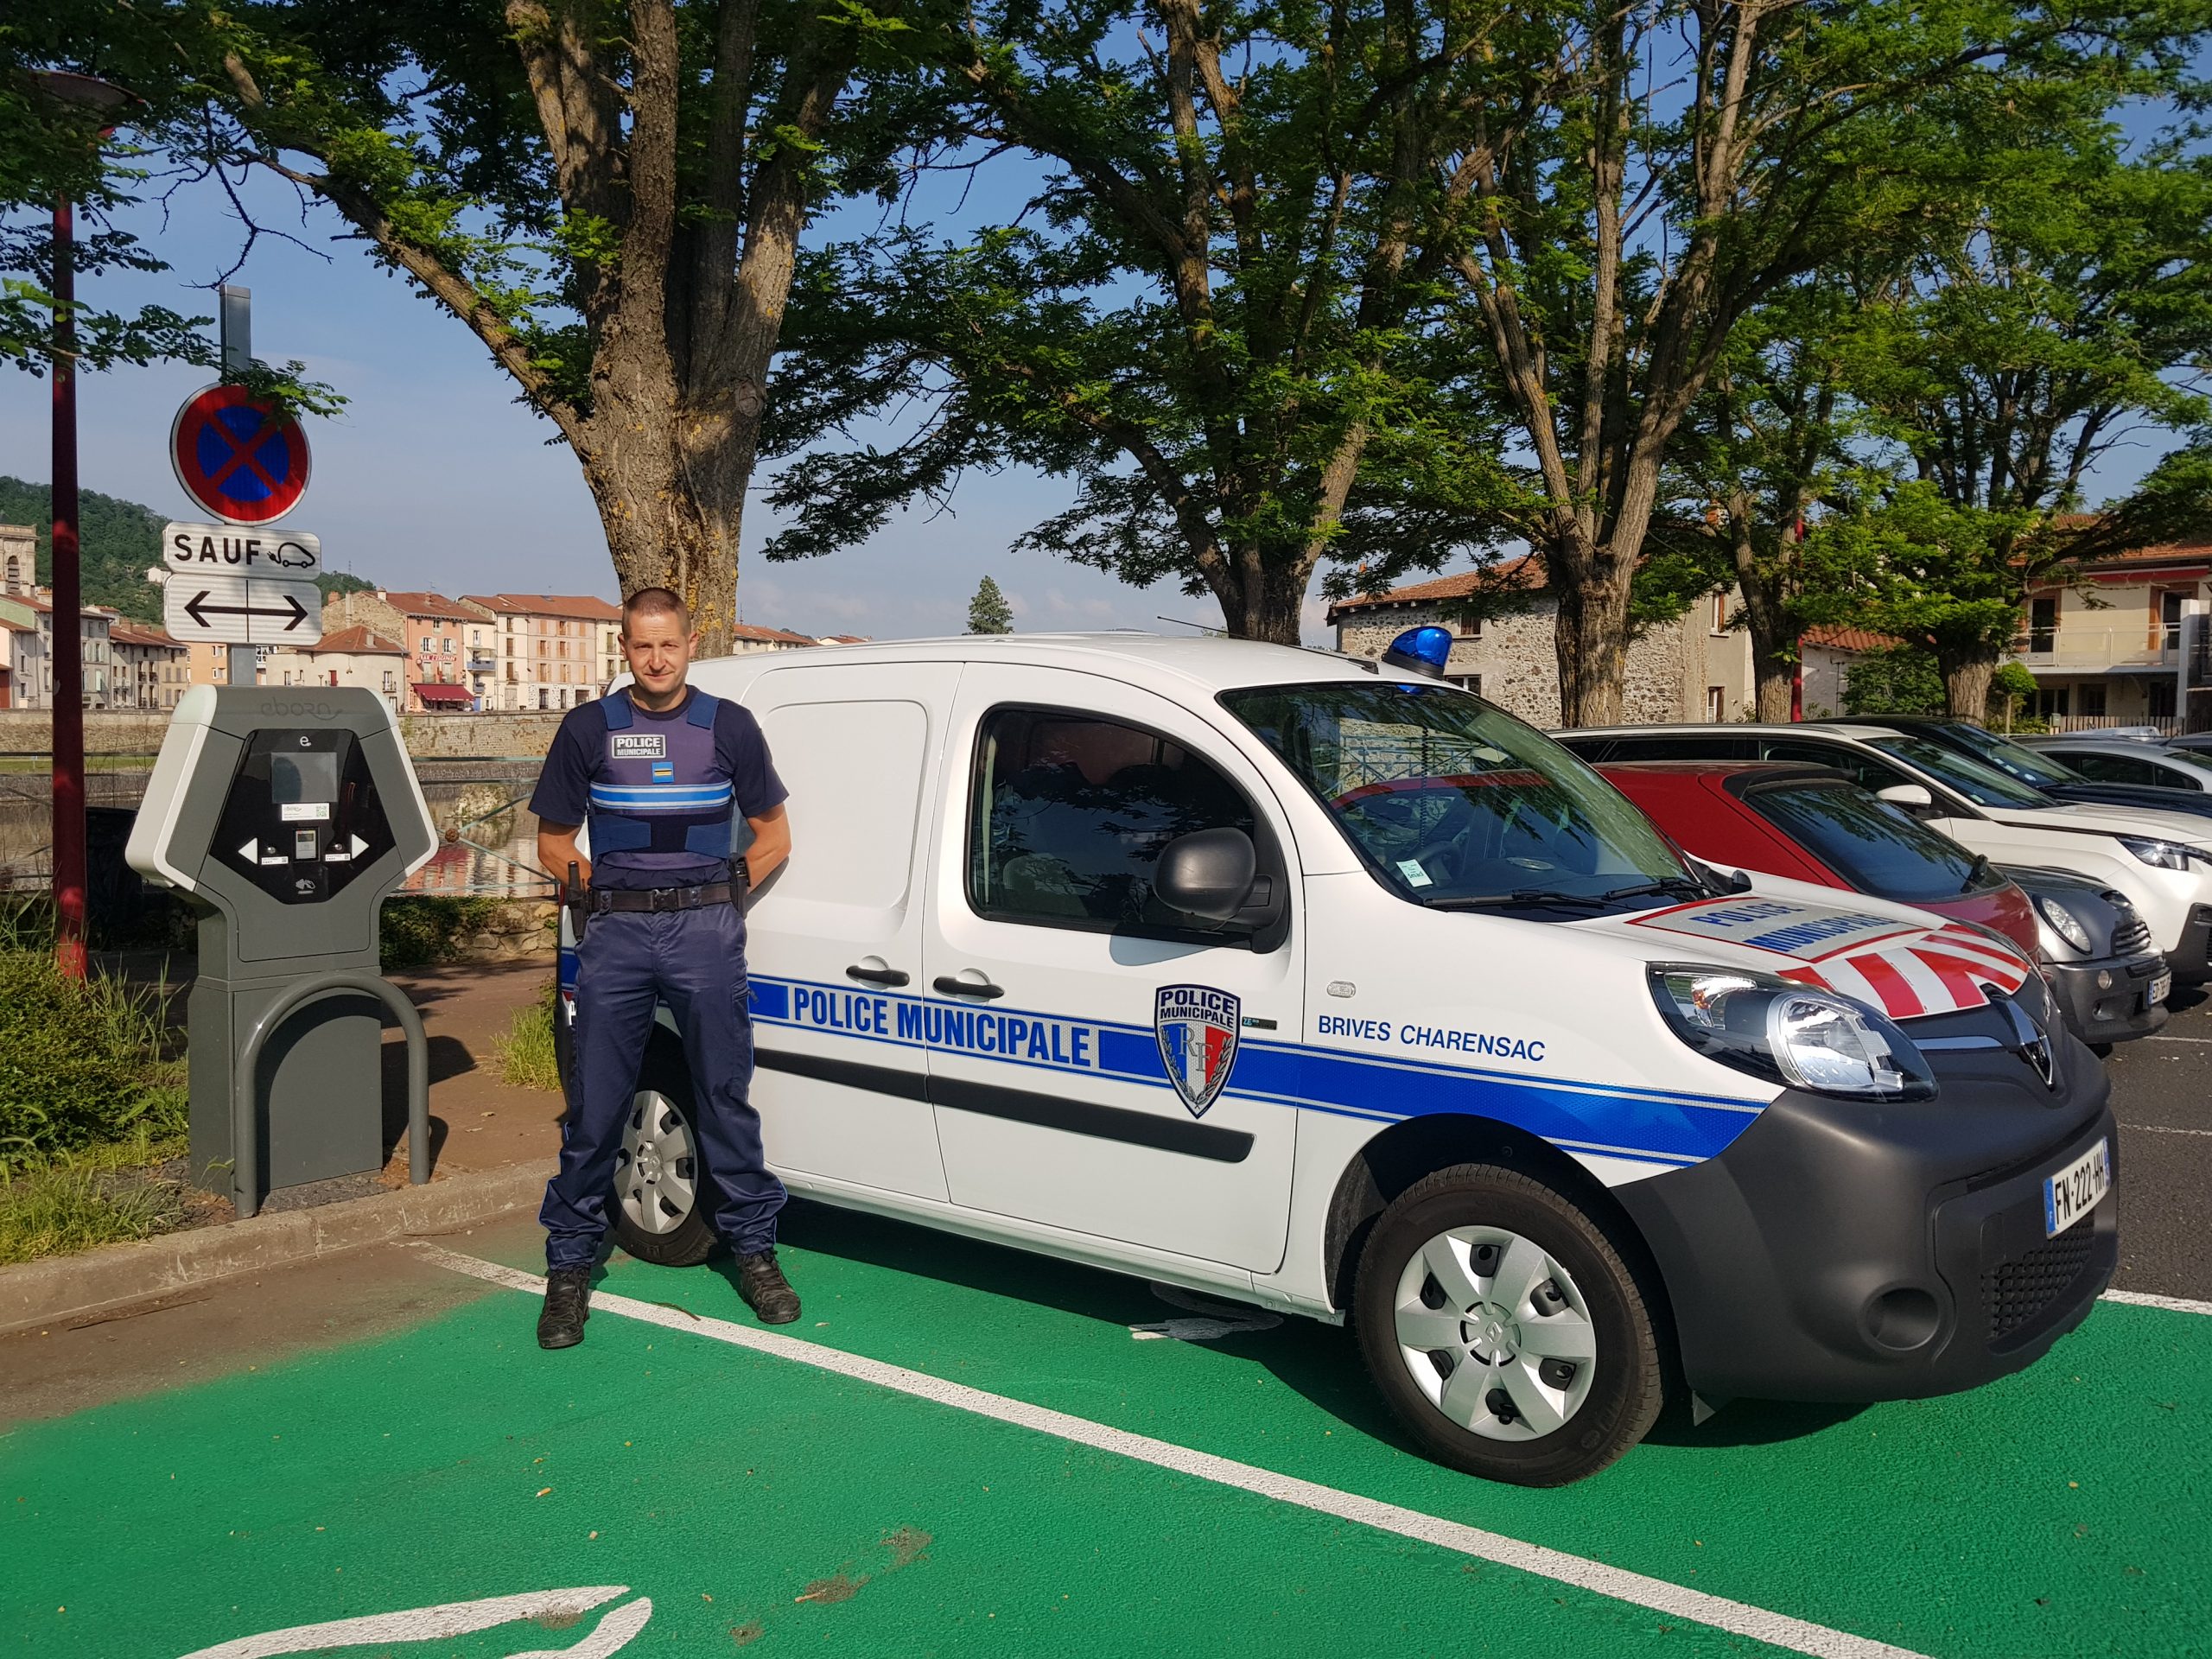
x=1331 y=988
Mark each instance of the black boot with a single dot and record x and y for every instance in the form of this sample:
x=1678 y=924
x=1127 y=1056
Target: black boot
x=568 y=1305
x=765 y=1290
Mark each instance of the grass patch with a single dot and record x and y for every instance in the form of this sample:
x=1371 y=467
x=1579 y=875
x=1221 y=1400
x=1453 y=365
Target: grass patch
x=81 y=1061
x=51 y=1205
x=423 y=932
x=525 y=1054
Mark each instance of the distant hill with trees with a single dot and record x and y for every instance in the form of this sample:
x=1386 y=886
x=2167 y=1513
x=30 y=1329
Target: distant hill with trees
x=119 y=541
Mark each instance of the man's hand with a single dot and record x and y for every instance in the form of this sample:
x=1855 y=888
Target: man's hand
x=771 y=845
x=556 y=850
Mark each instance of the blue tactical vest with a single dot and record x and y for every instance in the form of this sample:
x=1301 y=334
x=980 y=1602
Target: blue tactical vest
x=659 y=799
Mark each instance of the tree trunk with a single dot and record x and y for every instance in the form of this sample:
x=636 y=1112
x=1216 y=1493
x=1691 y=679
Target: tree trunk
x=1263 y=601
x=1591 y=641
x=1966 y=685
x=662 y=528
x=1766 y=618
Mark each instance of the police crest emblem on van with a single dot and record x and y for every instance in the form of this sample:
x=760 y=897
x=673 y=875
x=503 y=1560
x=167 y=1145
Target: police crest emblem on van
x=1197 y=1026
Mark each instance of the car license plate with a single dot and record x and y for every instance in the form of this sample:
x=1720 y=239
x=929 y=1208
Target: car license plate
x=2157 y=993
x=2075 y=1191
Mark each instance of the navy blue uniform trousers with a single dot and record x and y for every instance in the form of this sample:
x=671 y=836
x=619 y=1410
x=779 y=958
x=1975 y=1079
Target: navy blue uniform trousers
x=693 y=960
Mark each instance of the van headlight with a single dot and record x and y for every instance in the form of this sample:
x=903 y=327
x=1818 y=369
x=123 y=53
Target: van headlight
x=2164 y=855
x=1789 y=1033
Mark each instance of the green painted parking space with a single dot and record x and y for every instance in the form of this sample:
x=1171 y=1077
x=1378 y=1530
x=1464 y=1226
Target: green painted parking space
x=753 y=1499
x=750 y=1500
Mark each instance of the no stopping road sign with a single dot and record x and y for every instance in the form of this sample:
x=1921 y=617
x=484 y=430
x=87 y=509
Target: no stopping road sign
x=236 y=458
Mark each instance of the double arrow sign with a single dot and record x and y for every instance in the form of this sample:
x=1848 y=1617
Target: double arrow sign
x=200 y=610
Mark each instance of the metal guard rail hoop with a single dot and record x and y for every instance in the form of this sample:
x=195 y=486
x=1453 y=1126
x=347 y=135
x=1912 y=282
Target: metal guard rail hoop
x=245 y=1098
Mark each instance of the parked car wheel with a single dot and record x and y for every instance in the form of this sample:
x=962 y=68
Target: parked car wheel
x=658 y=1175
x=1505 y=1330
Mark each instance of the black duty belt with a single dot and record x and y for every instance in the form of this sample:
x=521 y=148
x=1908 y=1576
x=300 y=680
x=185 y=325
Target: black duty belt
x=602 y=899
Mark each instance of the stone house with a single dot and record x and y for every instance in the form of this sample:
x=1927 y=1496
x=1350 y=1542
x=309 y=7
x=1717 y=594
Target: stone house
x=450 y=662
x=1694 y=668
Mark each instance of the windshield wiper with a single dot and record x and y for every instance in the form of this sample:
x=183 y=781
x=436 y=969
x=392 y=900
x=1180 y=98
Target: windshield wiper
x=1975 y=871
x=1673 y=886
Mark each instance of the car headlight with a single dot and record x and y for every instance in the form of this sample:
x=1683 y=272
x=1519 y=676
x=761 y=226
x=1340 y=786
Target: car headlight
x=2166 y=855
x=2063 y=922
x=1789 y=1033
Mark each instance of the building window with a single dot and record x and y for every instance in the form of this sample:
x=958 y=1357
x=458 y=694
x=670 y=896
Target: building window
x=2043 y=624
x=2092 y=698
x=1466 y=682
x=1720 y=612
x=2170 y=623
x=2162 y=698
x=1716 y=703
x=2051 y=701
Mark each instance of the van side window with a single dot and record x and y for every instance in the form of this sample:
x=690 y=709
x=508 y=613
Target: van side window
x=1070 y=814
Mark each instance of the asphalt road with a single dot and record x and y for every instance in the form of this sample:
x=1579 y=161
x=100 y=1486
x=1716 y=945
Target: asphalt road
x=2162 y=1095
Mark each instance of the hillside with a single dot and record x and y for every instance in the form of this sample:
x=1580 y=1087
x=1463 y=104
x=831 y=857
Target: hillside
x=119 y=541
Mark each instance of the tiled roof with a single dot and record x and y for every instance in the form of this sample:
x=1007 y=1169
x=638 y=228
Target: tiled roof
x=1848 y=639
x=138 y=633
x=769 y=636
x=1528 y=570
x=435 y=605
x=360 y=640
x=572 y=605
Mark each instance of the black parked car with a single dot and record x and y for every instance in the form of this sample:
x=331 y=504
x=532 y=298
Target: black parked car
x=2045 y=772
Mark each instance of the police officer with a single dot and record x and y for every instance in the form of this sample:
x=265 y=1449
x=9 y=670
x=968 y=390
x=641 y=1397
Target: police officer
x=660 y=771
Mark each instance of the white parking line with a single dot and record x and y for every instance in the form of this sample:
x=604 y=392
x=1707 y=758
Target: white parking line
x=1661 y=1597
x=2171 y=1304
x=2160 y=1128
x=2178 y=1040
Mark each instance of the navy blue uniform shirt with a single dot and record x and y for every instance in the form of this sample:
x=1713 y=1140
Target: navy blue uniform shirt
x=563 y=792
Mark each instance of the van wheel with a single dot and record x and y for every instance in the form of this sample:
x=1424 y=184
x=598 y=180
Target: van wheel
x=1504 y=1329
x=658 y=1174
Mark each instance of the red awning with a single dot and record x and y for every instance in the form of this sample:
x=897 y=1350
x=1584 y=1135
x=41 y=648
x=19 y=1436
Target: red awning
x=456 y=697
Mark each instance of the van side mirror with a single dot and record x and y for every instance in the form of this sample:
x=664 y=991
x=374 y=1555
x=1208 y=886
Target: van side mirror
x=1914 y=797
x=1209 y=873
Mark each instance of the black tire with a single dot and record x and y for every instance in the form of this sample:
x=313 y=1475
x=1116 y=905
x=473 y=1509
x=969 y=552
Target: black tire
x=665 y=1093
x=1619 y=1398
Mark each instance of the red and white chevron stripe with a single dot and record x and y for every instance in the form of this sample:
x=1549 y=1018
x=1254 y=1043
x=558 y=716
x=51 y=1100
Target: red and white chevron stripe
x=1941 y=971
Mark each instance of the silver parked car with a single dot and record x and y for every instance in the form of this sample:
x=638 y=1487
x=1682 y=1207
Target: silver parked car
x=2108 y=760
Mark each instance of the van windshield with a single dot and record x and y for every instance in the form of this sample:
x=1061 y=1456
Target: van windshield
x=1456 y=805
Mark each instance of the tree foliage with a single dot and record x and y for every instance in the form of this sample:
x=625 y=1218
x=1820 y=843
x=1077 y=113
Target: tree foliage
x=1210 y=315
x=987 y=612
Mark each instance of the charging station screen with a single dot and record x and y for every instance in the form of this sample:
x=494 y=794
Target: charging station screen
x=303 y=817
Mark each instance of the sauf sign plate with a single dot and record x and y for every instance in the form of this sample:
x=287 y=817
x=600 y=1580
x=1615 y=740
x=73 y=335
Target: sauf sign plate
x=1197 y=1027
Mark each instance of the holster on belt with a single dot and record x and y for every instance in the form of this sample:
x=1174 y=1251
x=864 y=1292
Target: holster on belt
x=573 y=901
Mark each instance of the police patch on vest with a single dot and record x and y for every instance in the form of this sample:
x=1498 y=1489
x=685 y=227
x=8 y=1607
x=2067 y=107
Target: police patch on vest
x=1197 y=1026
x=636 y=746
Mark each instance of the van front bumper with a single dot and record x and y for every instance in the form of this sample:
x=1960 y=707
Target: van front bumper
x=1844 y=1252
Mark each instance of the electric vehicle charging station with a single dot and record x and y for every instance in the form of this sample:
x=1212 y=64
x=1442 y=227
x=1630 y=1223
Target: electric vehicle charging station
x=287 y=816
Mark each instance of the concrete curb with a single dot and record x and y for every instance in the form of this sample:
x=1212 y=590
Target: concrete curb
x=65 y=1288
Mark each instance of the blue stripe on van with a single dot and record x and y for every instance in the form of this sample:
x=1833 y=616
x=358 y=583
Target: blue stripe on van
x=1648 y=1125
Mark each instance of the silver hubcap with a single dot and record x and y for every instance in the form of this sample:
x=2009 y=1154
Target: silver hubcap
x=656 y=1177
x=1496 y=1333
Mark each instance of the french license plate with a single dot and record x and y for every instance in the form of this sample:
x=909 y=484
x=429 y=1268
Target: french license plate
x=2075 y=1190
x=2157 y=993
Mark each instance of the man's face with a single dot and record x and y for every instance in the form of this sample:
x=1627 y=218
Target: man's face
x=659 y=648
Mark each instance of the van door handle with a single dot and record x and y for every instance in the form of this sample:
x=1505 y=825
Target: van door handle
x=952 y=987
x=878 y=976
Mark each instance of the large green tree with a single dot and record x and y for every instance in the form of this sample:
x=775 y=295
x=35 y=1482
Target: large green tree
x=1631 y=182
x=609 y=194
x=1210 y=313
x=2071 y=318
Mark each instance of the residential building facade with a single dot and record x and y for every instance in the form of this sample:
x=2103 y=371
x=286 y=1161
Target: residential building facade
x=348 y=656
x=450 y=662
x=2129 y=645
x=211 y=665
x=549 y=651
x=33 y=608
x=151 y=670
x=1696 y=667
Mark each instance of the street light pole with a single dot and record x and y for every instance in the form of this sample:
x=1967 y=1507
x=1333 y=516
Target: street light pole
x=68 y=641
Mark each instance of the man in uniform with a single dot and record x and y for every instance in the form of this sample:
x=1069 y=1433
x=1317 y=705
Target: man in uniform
x=660 y=771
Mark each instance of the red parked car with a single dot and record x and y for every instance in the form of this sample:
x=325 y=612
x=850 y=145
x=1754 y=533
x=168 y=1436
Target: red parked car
x=1812 y=824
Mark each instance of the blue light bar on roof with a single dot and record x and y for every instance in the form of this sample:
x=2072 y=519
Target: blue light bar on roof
x=1420 y=650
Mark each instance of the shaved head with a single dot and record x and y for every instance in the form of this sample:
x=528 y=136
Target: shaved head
x=655 y=602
